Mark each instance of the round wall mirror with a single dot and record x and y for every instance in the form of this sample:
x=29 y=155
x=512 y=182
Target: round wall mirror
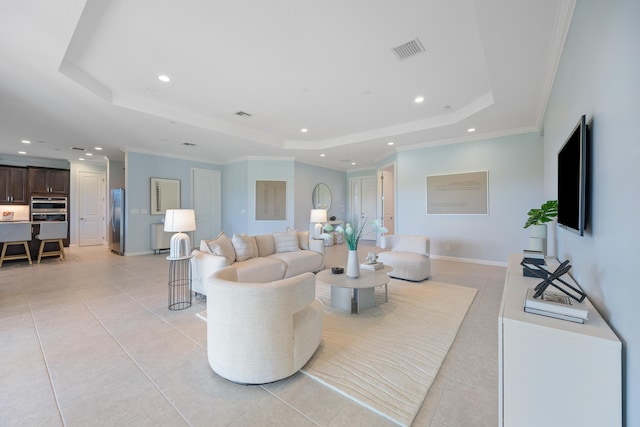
x=321 y=198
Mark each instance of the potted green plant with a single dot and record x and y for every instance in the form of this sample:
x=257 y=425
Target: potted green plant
x=537 y=220
x=545 y=214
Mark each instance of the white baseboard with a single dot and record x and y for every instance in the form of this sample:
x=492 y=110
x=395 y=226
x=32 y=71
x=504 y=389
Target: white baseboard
x=140 y=253
x=470 y=260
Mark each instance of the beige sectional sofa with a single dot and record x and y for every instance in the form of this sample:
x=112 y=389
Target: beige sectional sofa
x=263 y=258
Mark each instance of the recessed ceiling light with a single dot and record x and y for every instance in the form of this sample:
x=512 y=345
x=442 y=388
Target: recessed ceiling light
x=98 y=148
x=471 y=130
x=81 y=158
x=419 y=99
x=353 y=163
x=24 y=141
x=304 y=130
x=322 y=155
x=164 y=78
x=390 y=143
x=89 y=154
x=22 y=152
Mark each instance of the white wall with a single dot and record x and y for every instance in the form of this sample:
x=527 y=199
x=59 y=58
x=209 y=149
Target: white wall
x=515 y=171
x=599 y=76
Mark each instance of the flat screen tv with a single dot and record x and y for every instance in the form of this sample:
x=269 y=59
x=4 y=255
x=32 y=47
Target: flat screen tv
x=573 y=178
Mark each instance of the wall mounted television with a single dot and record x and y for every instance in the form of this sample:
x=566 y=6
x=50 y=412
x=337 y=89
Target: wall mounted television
x=573 y=179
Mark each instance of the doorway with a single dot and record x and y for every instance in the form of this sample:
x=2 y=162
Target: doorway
x=363 y=195
x=205 y=197
x=91 y=208
x=387 y=199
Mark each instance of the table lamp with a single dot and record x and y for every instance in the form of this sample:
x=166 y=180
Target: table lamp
x=179 y=221
x=318 y=216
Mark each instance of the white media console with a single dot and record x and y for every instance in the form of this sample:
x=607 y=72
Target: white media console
x=554 y=372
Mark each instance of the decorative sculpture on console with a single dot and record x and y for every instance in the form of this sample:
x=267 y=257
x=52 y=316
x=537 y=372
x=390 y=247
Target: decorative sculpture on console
x=549 y=278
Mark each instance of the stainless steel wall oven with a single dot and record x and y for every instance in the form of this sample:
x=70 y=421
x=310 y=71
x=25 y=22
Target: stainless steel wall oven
x=49 y=208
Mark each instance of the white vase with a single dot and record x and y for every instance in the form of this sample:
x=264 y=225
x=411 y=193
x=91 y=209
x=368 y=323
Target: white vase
x=538 y=238
x=353 y=266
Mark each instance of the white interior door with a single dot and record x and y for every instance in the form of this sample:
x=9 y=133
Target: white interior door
x=205 y=186
x=363 y=204
x=388 y=199
x=91 y=208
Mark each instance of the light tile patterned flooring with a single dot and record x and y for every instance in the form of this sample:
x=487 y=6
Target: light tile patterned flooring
x=90 y=342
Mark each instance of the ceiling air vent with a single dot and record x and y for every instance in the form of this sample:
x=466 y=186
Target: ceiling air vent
x=243 y=114
x=78 y=148
x=408 y=49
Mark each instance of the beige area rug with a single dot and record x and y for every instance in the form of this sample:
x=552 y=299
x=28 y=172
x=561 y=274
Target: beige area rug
x=387 y=357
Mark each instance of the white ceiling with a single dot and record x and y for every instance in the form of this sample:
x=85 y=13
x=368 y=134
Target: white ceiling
x=82 y=74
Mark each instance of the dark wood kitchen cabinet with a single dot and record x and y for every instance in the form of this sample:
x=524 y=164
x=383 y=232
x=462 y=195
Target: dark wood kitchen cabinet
x=48 y=181
x=13 y=185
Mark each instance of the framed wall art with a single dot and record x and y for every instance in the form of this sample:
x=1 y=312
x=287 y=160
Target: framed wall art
x=458 y=194
x=165 y=194
x=271 y=200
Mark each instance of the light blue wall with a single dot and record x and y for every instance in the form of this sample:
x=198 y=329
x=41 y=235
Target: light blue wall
x=269 y=170
x=8 y=160
x=599 y=76
x=235 y=191
x=140 y=168
x=239 y=183
x=307 y=177
x=515 y=170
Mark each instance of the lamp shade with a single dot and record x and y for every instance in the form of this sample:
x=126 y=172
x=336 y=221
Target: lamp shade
x=318 y=215
x=179 y=220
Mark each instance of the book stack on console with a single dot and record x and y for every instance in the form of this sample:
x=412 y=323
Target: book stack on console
x=533 y=259
x=556 y=304
x=372 y=267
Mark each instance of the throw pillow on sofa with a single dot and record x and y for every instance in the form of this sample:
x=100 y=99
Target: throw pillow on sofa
x=303 y=238
x=221 y=246
x=244 y=246
x=286 y=242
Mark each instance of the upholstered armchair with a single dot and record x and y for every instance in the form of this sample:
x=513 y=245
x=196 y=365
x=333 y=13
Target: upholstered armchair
x=408 y=255
x=261 y=332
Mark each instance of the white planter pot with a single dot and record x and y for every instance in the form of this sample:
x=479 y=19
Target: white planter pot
x=538 y=238
x=353 y=266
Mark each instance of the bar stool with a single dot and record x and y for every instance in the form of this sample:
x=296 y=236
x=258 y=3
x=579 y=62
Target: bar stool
x=16 y=233
x=52 y=231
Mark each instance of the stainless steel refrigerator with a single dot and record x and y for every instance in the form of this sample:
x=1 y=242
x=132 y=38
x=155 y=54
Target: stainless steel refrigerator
x=117 y=221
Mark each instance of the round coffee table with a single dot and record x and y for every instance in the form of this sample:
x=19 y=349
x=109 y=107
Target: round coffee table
x=353 y=295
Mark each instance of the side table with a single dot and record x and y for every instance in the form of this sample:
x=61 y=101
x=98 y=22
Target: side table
x=179 y=283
